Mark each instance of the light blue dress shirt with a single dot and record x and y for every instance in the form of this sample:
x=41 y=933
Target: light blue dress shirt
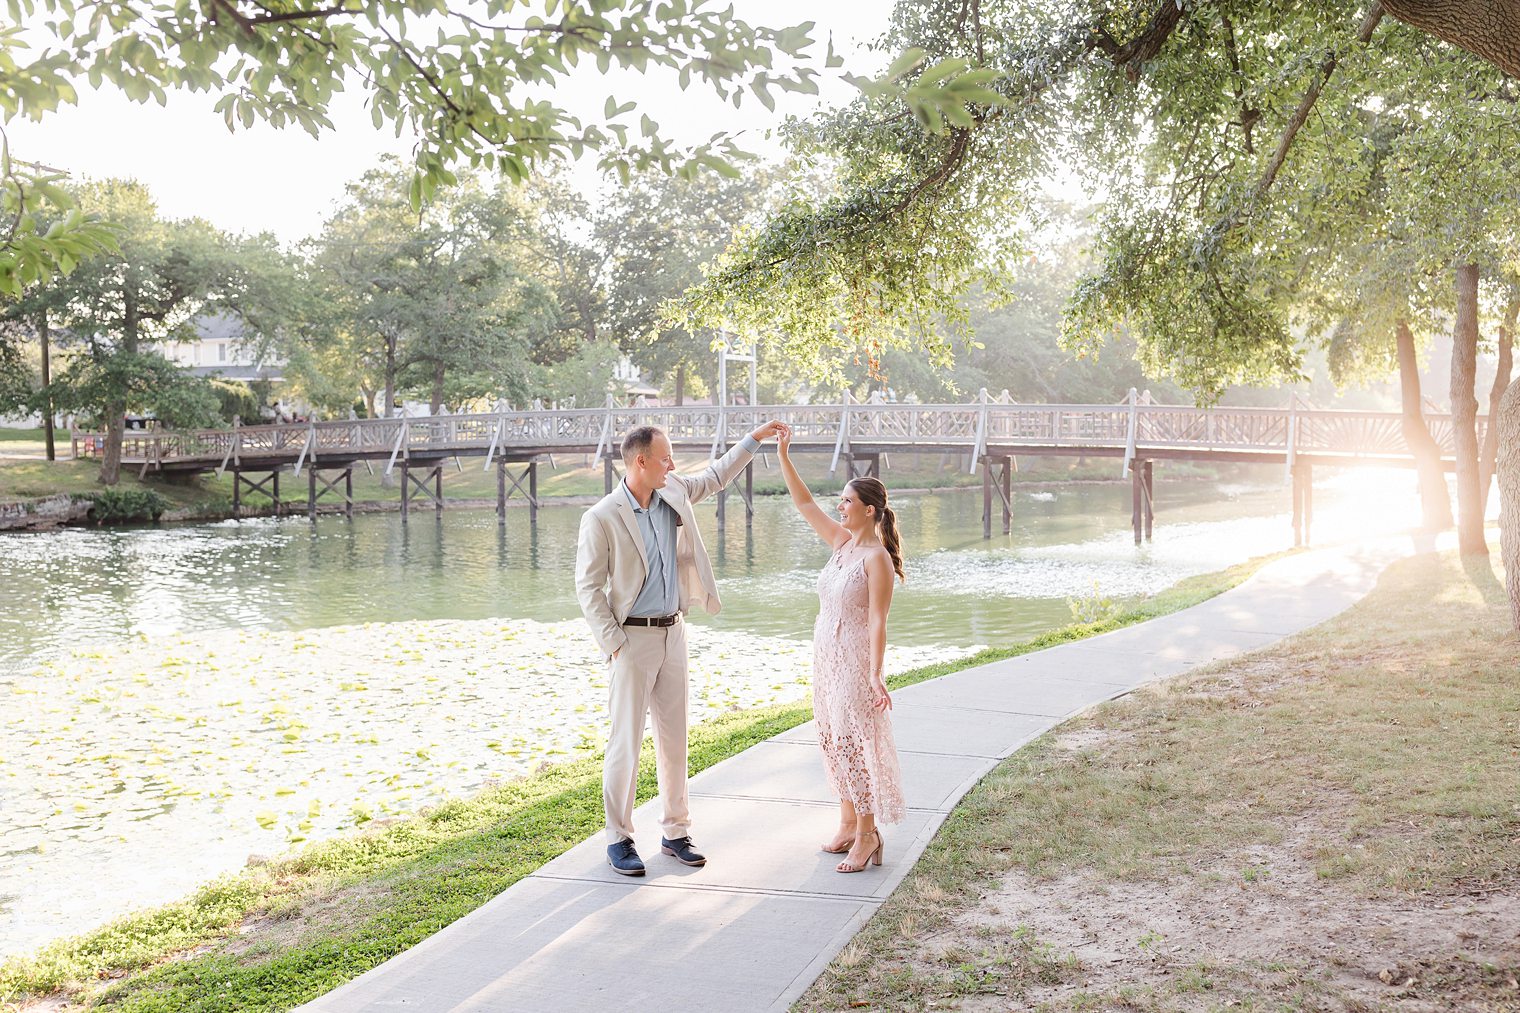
x=660 y=595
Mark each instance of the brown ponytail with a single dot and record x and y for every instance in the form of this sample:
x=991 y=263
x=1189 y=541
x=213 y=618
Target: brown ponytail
x=873 y=494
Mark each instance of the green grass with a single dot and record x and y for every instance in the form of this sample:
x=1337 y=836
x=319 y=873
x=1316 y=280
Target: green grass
x=8 y=435
x=1382 y=744
x=23 y=480
x=271 y=937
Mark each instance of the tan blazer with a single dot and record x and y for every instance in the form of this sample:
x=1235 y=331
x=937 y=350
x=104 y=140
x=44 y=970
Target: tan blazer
x=610 y=565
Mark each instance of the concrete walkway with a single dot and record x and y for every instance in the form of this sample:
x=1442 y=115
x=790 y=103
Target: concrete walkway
x=753 y=929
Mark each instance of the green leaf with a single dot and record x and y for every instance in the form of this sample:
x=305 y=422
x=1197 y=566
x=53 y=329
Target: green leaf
x=905 y=62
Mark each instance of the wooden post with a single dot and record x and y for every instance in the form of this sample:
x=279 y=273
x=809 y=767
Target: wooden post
x=1150 y=499
x=722 y=510
x=438 y=489
x=348 y=491
x=1007 y=489
x=749 y=480
x=501 y=491
x=277 y=492
x=311 y=494
x=406 y=491
x=1136 y=498
x=533 y=491
x=986 y=497
x=607 y=474
x=237 y=493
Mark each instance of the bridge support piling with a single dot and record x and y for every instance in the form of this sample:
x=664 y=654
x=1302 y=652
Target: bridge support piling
x=269 y=486
x=318 y=486
x=412 y=485
x=609 y=475
x=1136 y=499
x=997 y=473
x=749 y=496
x=863 y=465
x=1150 y=499
x=1303 y=502
x=530 y=475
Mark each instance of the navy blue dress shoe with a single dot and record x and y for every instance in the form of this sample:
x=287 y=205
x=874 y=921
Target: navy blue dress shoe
x=681 y=850
x=624 y=859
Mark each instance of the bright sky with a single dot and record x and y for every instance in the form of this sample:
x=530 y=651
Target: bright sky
x=287 y=182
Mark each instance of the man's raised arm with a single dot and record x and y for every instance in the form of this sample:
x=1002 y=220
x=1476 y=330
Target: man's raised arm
x=727 y=468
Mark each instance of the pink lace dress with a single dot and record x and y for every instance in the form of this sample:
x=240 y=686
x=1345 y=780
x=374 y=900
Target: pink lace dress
x=859 y=755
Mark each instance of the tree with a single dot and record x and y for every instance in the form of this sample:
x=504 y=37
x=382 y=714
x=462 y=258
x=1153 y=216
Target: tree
x=572 y=263
x=660 y=232
x=115 y=307
x=1207 y=301
x=436 y=301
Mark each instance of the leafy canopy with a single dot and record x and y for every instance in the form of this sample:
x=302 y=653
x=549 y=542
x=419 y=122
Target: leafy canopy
x=474 y=81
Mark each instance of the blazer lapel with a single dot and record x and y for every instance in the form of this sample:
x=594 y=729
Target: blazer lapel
x=625 y=511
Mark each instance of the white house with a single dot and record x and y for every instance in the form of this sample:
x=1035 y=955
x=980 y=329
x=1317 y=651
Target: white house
x=218 y=350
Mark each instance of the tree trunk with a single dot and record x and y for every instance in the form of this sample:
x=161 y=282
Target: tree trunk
x=1490 y=454
x=1435 y=501
x=47 y=379
x=1507 y=417
x=1464 y=414
x=390 y=378
x=110 y=459
x=1486 y=28
x=437 y=400
x=680 y=384
x=116 y=407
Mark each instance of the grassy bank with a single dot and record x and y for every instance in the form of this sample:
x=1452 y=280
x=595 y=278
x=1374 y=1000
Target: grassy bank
x=25 y=480
x=211 y=496
x=278 y=934
x=1329 y=824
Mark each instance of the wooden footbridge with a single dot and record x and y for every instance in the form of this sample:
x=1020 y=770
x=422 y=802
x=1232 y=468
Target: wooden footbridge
x=990 y=432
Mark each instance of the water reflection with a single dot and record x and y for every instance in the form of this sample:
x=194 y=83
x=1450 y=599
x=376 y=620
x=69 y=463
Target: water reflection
x=72 y=586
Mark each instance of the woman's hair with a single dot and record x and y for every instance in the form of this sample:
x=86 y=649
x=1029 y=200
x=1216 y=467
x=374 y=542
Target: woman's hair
x=873 y=494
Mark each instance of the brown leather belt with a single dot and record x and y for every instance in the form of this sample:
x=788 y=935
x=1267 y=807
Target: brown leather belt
x=652 y=620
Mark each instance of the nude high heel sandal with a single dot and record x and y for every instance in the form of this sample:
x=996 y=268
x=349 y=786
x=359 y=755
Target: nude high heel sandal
x=874 y=858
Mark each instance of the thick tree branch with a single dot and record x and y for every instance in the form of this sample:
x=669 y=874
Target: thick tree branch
x=1133 y=54
x=1486 y=28
x=1301 y=114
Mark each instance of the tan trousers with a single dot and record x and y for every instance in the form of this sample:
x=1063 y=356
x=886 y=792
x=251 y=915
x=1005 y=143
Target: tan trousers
x=648 y=677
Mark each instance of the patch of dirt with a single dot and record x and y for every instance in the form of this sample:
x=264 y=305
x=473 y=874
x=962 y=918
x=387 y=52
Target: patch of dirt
x=1259 y=924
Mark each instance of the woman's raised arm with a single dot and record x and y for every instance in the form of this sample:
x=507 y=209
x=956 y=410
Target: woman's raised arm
x=830 y=530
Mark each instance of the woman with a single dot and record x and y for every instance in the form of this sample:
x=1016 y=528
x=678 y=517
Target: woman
x=850 y=698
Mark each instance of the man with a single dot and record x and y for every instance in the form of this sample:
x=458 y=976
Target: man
x=639 y=566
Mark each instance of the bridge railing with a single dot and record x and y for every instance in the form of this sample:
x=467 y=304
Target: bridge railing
x=972 y=426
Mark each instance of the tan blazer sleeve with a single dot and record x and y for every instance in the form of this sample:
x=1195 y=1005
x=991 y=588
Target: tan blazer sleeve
x=717 y=474
x=593 y=570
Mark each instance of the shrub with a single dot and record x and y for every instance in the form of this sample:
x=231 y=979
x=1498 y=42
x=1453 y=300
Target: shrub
x=122 y=506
